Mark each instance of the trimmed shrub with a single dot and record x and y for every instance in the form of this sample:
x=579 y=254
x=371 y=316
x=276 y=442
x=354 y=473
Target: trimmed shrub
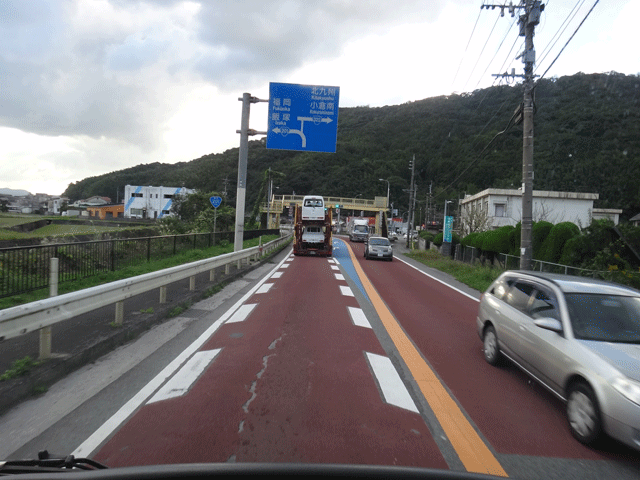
x=551 y=248
x=469 y=240
x=497 y=241
x=539 y=233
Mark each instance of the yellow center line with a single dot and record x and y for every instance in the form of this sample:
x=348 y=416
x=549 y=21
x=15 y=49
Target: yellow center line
x=472 y=451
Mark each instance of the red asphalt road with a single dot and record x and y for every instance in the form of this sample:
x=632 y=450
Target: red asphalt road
x=315 y=400
x=513 y=413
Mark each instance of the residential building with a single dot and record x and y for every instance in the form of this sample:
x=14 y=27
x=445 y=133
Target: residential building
x=612 y=214
x=493 y=208
x=150 y=202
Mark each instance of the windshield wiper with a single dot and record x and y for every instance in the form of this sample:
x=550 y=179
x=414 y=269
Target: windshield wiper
x=47 y=462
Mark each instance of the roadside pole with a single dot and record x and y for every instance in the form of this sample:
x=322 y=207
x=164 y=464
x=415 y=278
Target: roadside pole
x=243 y=154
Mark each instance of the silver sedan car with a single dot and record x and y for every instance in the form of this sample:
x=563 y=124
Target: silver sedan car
x=578 y=337
x=378 y=247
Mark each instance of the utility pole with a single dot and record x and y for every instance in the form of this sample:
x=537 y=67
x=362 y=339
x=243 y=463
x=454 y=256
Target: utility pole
x=243 y=154
x=268 y=199
x=527 y=22
x=411 y=201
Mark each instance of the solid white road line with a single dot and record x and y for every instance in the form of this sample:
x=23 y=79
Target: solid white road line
x=358 y=317
x=181 y=382
x=392 y=386
x=242 y=313
x=107 y=428
x=438 y=280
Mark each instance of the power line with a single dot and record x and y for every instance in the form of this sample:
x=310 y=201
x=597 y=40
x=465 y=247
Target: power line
x=567 y=43
x=495 y=54
x=560 y=31
x=465 y=48
x=480 y=54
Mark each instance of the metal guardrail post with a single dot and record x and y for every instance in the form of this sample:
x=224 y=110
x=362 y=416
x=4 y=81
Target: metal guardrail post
x=192 y=283
x=212 y=274
x=45 y=333
x=119 y=312
x=227 y=268
x=163 y=294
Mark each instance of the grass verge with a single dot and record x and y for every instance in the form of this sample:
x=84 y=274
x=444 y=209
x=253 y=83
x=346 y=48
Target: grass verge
x=128 y=272
x=474 y=276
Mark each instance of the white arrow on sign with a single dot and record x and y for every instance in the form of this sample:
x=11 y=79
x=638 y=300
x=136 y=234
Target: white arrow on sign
x=316 y=120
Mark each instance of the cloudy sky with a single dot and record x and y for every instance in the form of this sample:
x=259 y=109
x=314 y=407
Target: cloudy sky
x=93 y=86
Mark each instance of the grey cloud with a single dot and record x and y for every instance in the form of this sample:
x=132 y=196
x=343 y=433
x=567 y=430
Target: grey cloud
x=263 y=38
x=106 y=83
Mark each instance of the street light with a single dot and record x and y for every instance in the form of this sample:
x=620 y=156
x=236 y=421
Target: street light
x=445 y=212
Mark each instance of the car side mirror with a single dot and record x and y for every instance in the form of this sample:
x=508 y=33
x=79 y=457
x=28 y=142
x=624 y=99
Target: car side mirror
x=548 y=323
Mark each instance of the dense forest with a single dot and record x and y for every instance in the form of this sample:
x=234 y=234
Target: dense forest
x=587 y=139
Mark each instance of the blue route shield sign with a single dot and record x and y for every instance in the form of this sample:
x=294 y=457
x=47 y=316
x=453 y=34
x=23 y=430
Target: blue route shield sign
x=303 y=117
x=215 y=201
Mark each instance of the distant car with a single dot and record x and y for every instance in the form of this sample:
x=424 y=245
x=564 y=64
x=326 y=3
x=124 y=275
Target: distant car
x=578 y=337
x=378 y=247
x=393 y=236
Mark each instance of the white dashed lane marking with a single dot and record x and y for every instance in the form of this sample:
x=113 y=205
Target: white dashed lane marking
x=242 y=313
x=346 y=291
x=358 y=317
x=264 y=288
x=391 y=385
x=186 y=376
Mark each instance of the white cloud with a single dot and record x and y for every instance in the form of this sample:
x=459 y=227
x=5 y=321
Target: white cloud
x=94 y=86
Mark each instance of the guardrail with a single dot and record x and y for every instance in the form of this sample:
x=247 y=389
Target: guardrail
x=40 y=315
x=26 y=268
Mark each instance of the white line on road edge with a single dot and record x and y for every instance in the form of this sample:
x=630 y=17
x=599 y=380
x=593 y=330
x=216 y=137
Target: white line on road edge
x=339 y=276
x=392 y=386
x=181 y=382
x=108 y=427
x=438 y=280
x=277 y=275
x=358 y=317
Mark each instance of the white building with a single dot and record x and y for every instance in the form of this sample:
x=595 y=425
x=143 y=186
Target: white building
x=150 y=202
x=612 y=214
x=495 y=208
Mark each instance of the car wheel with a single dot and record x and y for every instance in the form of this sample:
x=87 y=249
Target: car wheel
x=490 y=346
x=583 y=413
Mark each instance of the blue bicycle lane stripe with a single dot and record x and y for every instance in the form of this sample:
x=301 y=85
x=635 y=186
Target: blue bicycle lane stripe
x=341 y=255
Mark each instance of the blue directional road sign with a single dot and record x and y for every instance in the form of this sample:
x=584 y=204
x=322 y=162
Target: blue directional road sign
x=448 y=224
x=215 y=201
x=303 y=117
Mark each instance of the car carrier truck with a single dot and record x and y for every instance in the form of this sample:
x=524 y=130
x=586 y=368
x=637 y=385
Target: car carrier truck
x=312 y=228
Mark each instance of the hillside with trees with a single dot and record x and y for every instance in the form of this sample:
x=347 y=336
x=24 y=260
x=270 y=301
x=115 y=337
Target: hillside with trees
x=587 y=139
